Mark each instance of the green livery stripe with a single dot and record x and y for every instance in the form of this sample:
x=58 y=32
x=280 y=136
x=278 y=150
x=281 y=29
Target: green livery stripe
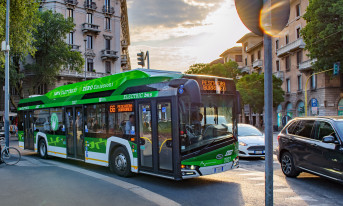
x=21 y=136
x=133 y=149
x=56 y=140
x=95 y=144
x=210 y=158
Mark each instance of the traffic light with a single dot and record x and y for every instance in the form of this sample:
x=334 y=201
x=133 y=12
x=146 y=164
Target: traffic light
x=336 y=68
x=140 y=58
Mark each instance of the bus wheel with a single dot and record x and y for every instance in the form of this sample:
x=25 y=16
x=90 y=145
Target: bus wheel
x=42 y=149
x=120 y=162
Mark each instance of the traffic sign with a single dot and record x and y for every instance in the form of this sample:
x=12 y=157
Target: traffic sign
x=314 y=103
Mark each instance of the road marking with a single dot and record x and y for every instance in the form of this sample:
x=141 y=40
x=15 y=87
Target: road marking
x=303 y=198
x=253 y=174
x=256 y=178
x=144 y=193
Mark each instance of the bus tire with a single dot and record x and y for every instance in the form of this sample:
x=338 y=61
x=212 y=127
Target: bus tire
x=42 y=149
x=120 y=162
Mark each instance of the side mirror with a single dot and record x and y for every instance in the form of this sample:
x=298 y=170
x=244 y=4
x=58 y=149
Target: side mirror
x=329 y=139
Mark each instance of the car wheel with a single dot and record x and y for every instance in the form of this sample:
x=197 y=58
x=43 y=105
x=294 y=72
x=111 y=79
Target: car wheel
x=42 y=149
x=287 y=165
x=120 y=162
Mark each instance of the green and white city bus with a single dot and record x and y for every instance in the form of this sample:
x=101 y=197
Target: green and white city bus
x=154 y=122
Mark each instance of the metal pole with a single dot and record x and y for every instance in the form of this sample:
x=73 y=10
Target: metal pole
x=148 y=59
x=85 y=40
x=7 y=76
x=268 y=109
x=306 y=87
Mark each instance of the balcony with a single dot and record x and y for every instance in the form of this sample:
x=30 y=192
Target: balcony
x=123 y=59
x=108 y=10
x=90 y=28
x=109 y=54
x=71 y=2
x=306 y=65
x=89 y=75
x=90 y=5
x=279 y=74
x=257 y=64
x=297 y=44
x=125 y=68
x=74 y=47
x=124 y=44
x=245 y=69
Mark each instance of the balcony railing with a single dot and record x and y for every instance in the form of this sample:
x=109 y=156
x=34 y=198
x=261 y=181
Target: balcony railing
x=74 y=47
x=257 y=64
x=87 y=27
x=245 y=69
x=297 y=44
x=90 y=5
x=108 y=10
x=123 y=59
x=124 y=44
x=89 y=75
x=109 y=54
x=279 y=74
x=71 y=2
x=306 y=65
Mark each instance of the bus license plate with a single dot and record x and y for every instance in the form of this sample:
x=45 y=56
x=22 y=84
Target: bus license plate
x=259 y=152
x=217 y=169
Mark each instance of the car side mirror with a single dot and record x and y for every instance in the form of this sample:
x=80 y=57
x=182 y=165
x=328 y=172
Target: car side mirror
x=329 y=139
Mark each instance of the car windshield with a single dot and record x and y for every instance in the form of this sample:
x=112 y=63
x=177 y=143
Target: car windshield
x=248 y=131
x=203 y=124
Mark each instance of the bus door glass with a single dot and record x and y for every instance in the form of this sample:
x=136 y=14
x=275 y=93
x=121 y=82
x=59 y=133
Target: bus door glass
x=29 y=127
x=145 y=135
x=74 y=132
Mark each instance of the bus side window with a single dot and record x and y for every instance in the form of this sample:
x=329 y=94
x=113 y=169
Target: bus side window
x=119 y=121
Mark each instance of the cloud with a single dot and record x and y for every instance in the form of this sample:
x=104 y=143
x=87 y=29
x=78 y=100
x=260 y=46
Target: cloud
x=169 y=13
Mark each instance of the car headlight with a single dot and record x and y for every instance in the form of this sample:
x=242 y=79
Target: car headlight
x=243 y=144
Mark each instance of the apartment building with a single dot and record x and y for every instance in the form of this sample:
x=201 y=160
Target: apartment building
x=233 y=54
x=293 y=66
x=101 y=34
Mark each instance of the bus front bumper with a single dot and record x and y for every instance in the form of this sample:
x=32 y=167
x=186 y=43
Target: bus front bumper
x=201 y=171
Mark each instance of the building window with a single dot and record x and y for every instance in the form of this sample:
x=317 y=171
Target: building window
x=89 y=2
x=42 y=89
x=298 y=32
x=245 y=47
x=71 y=38
x=288 y=63
x=314 y=82
x=277 y=65
x=70 y=13
x=288 y=84
x=277 y=44
x=108 y=67
x=299 y=83
x=89 y=18
x=297 y=10
x=90 y=65
x=259 y=54
x=287 y=39
x=107 y=3
x=238 y=58
x=246 y=61
x=299 y=58
x=89 y=42
x=108 y=23
x=252 y=58
x=108 y=44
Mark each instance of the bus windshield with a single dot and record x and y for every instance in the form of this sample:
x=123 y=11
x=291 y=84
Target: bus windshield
x=206 y=123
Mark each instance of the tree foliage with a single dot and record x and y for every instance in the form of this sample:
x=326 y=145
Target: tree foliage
x=251 y=88
x=323 y=33
x=53 y=53
x=229 y=69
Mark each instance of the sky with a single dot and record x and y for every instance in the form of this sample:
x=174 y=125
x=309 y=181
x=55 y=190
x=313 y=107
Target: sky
x=179 y=33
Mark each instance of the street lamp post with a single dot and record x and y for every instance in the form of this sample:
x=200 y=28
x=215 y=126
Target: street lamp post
x=7 y=76
x=85 y=40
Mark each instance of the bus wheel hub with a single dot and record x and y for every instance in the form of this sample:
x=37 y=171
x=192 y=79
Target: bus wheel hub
x=120 y=162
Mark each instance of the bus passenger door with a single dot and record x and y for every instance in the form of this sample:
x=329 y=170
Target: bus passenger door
x=28 y=130
x=74 y=132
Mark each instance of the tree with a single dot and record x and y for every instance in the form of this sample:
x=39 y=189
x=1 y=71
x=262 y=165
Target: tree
x=323 y=33
x=228 y=70
x=251 y=88
x=53 y=53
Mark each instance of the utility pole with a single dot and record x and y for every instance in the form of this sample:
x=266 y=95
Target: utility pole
x=148 y=59
x=85 y=40
x=7 y=72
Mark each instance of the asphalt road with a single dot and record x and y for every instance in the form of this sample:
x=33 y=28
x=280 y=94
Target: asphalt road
x=66 y=182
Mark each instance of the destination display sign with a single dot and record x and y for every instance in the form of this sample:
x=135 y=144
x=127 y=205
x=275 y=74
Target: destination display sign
x=214 y=85
x=114 y=108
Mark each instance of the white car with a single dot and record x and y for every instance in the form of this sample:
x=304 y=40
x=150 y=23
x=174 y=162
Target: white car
x=251 y=141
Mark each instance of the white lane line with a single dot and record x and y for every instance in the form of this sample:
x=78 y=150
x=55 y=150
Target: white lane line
x=253 y=174
x=302 y=197
x=256 y=178
x=144 y=193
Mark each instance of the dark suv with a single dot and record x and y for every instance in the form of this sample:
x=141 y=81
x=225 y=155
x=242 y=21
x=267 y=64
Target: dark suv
x=312 y=144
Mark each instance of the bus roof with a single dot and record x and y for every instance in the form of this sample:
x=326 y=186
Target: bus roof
x=109 y=86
